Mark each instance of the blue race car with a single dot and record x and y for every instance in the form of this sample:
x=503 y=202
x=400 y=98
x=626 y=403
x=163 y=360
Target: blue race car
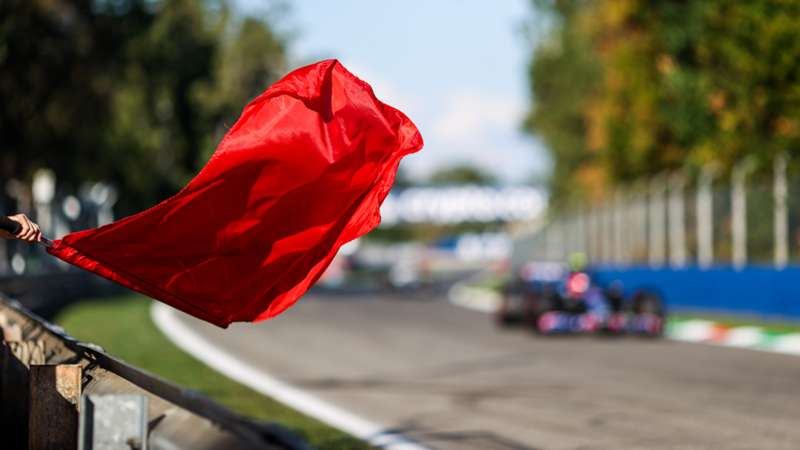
x=579 y=306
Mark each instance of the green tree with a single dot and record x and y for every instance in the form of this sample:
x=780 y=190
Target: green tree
x=626 y=89
x=59 y=64
x=157 y=125
x=563 y=74
x=252 y=57
x=137 y=92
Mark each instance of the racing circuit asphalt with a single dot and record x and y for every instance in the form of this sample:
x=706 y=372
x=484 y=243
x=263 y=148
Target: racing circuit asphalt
x=450 y=379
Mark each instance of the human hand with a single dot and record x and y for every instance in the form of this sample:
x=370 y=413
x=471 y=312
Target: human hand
x=29 y=231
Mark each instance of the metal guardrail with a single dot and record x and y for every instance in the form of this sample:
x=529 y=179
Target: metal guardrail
x=178 y=418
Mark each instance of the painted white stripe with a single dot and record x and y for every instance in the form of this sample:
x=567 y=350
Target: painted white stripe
x=789 y=343
x=744 y=337
x=693 y=331
x=222 y=361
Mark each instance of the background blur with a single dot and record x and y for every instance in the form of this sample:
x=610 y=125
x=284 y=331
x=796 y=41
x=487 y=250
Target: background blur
x=656 y=141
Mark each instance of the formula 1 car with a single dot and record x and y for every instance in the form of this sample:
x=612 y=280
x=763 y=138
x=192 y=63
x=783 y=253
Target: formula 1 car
x=573 y=304
x=578 y=306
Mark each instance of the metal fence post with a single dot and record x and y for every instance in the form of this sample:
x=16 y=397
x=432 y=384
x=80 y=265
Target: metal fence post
x=554 y=241
x=113 y=422
x=562 y=234
x=739 y=215
x=619 y=227
x=569 y=241
x=594 y=234
x=781 y=219
x=576 y=233
x=634 y=226
x=608 y=231
x=676 y=221
x=580 y=224
x=602 y=232
x=656 y=230
x=641 y=226
x=705 y=218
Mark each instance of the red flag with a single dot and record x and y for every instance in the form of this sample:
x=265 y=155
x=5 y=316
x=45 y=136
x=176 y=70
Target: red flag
x=303 y=171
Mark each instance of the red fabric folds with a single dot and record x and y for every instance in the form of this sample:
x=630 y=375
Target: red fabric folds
x=303 y=171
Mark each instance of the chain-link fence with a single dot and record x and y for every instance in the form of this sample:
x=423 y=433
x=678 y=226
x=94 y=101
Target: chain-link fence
x=679 y=219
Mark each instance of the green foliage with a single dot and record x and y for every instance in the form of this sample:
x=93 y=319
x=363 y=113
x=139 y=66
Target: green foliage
x=562 y=76
x=133 y=91
x=629 y=88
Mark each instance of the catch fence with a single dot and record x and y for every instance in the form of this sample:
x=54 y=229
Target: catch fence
x=750 y=216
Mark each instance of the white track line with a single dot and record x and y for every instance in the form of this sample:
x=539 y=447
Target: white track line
x=227 y=364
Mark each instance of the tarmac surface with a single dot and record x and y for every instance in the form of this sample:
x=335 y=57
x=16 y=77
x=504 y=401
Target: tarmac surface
x=450 y=379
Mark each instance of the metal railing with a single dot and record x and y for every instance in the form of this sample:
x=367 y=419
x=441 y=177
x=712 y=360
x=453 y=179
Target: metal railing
x=177 y=418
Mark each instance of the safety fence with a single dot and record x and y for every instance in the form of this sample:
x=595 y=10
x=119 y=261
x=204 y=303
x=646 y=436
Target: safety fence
x=682 y=219
x=705 y=241
x=54 y=387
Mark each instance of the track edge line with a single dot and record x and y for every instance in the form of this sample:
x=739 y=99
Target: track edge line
x=202 y=349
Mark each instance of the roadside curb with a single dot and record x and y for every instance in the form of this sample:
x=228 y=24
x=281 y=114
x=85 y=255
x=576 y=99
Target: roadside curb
x=241 y=371
x=750 y=337
x=688 y=330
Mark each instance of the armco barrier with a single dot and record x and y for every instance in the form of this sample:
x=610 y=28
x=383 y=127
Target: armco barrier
x=177 y=418
x=753 y=290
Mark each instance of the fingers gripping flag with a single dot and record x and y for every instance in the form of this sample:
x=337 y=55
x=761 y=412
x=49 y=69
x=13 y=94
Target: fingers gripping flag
x=303 y=171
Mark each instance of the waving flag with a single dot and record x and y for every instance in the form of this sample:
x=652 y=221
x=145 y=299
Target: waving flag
x=303 y=171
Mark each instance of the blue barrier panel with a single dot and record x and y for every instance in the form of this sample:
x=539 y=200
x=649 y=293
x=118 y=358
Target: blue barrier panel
x=756 y=290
